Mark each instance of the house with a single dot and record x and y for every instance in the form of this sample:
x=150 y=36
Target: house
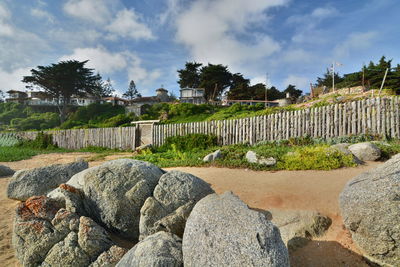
x=192 y=95
x=136 y=105
x=115 y=101
x=16 y=96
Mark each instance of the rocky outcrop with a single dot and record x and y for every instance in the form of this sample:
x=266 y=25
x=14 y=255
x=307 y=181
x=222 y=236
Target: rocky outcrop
x=365 y=151
x=173 y=199
x=158 y=250
x=46 y=234
x=223 y=231
x=115 y=191
x=213 y=156
x=39 y=181
x=252 y=157
x=370 y=207
x=6 y=171
x=110 y=257
x=297 y=227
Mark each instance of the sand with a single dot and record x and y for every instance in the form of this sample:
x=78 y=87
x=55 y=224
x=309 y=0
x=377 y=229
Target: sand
x=306 y=190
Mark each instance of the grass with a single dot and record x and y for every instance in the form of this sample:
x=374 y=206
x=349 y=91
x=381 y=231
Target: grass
x=15 y=153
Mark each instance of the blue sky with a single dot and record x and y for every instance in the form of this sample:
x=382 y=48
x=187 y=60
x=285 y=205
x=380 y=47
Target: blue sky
x=294 y=41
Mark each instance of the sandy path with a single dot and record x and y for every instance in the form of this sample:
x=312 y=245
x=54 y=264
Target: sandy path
x=313 y=190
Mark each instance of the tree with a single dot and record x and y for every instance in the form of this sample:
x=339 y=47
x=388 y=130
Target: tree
x=293 y=91
x=326 y=80
x=214 y=79
x=64 y=79
x=273 y=93
x=190 y=75
x=239 y=88
x=132 y=91
x=104 y=89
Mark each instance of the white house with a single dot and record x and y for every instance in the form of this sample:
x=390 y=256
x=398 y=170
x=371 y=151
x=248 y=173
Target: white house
x=192 y=95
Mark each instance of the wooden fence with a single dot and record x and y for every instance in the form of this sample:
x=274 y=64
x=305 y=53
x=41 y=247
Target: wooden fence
x=116 y=138
x=378 y=116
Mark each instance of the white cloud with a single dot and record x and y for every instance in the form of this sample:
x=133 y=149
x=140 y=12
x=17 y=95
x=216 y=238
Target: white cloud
x=42 y=14
x=96 y=11
x=299 y=81
x=173 y=8
x=99 y=58
x=355 y=42
x=107 y=62
x=297 y=55
x=12 y=79
x=209 y=28
x=127 y=24
x=5 y=27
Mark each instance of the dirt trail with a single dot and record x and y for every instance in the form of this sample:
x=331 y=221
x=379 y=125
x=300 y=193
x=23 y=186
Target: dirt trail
x=312 y=190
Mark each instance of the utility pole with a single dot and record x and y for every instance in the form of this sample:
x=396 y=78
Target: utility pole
x=333 y=76
x=266 y=88
x=363 y=78
x=383 y=81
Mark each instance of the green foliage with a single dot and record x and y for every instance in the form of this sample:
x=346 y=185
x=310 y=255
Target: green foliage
x=94 y=115
x=316 y=158
x=389 y=148
x=189 y=142
x=36 y=121
x=42 y=141
x=8 y=139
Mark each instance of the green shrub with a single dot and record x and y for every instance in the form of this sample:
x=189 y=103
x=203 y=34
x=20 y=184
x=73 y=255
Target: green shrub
x=8 y=139
x=316 y=158
x=189 y=142
x=42 y=141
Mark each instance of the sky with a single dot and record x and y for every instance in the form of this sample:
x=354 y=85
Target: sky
x=280 y=42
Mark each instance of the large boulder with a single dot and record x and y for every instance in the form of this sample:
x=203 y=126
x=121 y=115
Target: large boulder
x=173 y=199
x=110 y=257
x=159 y=250
x=370 y=207
x=6 y=171
x=365 y=151
x=223 y=231
x=115 y=191
x=47 y=235
x=39 y=181
x=297 y=227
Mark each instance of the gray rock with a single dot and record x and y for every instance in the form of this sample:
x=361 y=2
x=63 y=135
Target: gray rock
x=67 y=253
x=370 y=207
x=223 y=231
x=297 y=227
x=159 y=250
x=173 y=199
x=213 y=156
x=33 y=234
x=92 y=238
x=39 y=181
x=342 y=147
x=115 y=192
x=252 y=157
x=109 y=258
x=6 y=171
x=365 y=151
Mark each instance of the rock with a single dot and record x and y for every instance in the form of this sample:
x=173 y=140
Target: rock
x=223 y=231
x=33 y=234
x=252 y=157
x=173 y=199
x=143 y=147
x=115 y=191
x=159 y=250
x=67 y=253
x=370 y=207
x=109 y=258
x=342 y=147
x=92 y=238
x=39 y=181
x=365 y=151
x=213 y=156
x=297 y=227
x=5 y=171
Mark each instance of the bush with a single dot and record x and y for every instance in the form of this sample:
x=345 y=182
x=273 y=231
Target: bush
x=36 y=121
x=189 y=142
x=316 y=158
x=42 y=141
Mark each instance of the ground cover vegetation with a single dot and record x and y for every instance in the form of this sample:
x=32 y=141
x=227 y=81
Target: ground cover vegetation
x=293 y=154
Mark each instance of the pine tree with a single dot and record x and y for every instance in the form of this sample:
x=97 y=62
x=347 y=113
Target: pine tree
x=132 y=91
